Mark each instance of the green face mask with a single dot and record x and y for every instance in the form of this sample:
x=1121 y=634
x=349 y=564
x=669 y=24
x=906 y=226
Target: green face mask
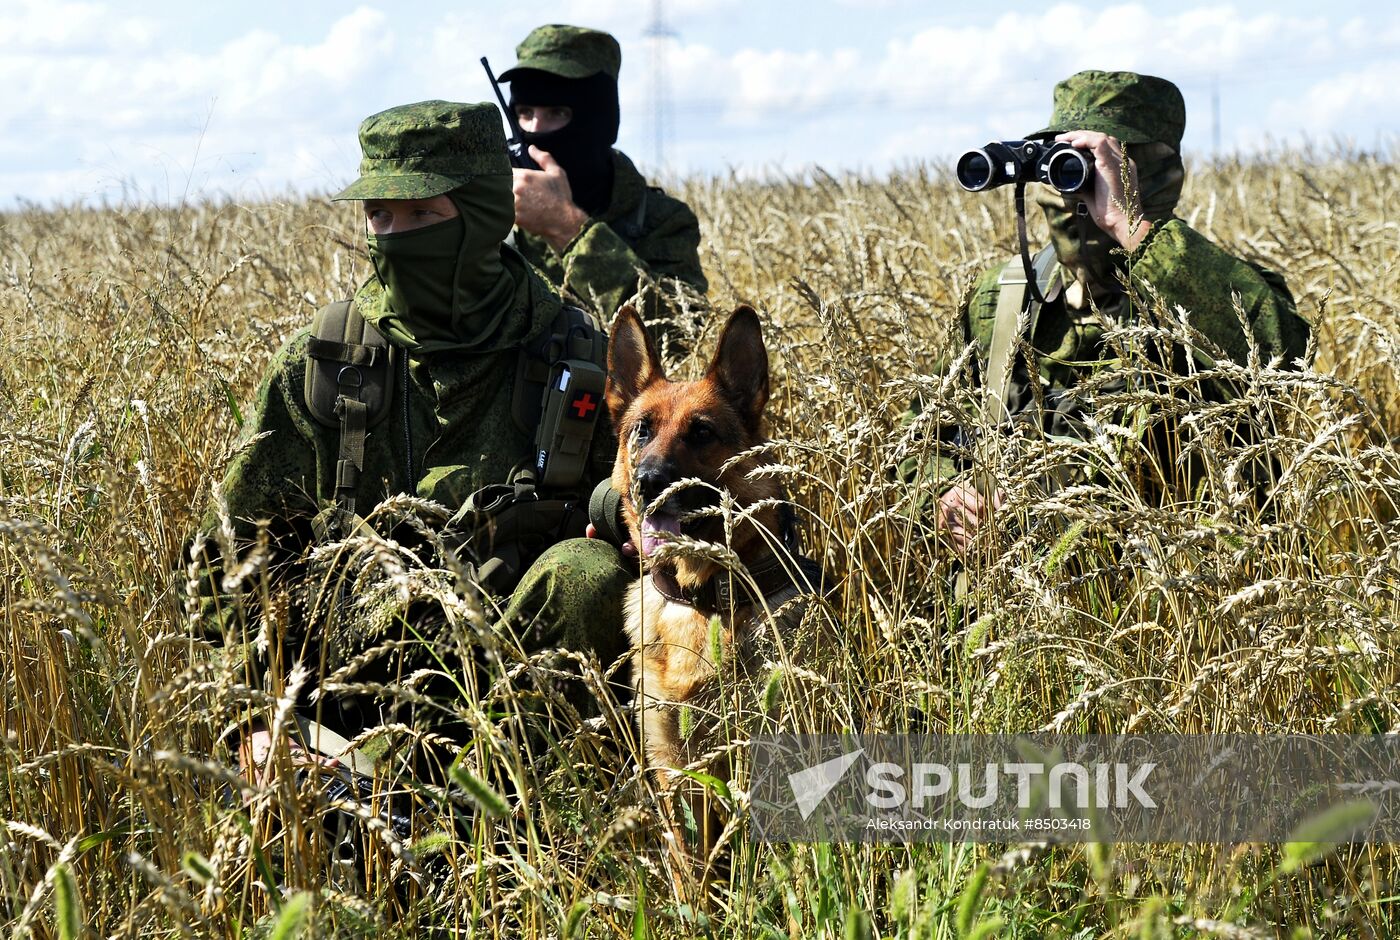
x=419 y=270
x=445 y=286
x=1085 y=249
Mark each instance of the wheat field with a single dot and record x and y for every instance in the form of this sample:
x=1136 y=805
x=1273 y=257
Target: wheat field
x=134 y=339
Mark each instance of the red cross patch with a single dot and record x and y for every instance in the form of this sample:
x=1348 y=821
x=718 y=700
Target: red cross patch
x=583 y=406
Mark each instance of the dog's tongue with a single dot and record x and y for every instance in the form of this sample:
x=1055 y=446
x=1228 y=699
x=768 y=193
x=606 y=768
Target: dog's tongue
x=654 y=524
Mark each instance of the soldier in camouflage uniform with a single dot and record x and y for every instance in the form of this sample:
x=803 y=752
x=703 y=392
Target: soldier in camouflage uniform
x=458 y=304
x=1116 y=117
x=587 y=218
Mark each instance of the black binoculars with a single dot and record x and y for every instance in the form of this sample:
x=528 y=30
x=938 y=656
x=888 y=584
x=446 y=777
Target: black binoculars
x=1053 y=163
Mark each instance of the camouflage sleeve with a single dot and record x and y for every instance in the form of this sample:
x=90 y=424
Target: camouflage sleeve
x=933 y=465
x=976 y=315
x=269 y=485
x=1186 y=269
x=602 y=270
x=276 y=469
x=671 y=247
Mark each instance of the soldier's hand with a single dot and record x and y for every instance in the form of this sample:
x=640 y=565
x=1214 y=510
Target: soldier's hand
x=962 y=510
x=628 y=549
x=1115 y=209
x=544 y=202
x=255 y=750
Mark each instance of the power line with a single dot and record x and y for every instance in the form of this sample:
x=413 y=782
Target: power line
x=658 y=33
x=1215 y=116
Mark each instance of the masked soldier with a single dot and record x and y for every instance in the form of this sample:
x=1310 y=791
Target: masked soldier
x=1121 y=121
x=587 y=218
x=435 y=382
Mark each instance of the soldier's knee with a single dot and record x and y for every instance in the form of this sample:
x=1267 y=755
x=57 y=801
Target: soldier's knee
x=572 y=597
x=586 y=563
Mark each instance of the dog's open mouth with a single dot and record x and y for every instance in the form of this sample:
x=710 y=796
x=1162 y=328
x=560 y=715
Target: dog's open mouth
x=652 y=527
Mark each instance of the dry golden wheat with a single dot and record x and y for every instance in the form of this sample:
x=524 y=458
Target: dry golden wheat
x=135 y=338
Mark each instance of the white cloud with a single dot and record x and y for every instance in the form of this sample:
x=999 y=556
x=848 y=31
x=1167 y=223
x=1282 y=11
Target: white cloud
x=695 y=72
x=138 y=115
x=259 y=77
x=614 y=15
x=1351 y=99
x=1013 y=56
x=37 y=27
x=1369 y=33
x=101 y=98
x=940 y=89
x=920 y=139
x=944 y=88
x=772 y=85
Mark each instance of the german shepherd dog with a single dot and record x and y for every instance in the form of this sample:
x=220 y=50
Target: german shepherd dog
x=704 y=431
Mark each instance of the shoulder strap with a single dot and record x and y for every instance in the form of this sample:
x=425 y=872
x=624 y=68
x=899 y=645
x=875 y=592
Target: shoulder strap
x=349 y=385
x=1016 y=316
x=632 y=227
x=559 y=395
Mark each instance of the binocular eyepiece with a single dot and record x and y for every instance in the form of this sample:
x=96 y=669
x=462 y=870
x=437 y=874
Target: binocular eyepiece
x=1053 y=163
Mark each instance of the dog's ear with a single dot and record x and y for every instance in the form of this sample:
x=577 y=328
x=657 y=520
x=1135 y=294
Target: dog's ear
x=633 y=363
x=740 y=367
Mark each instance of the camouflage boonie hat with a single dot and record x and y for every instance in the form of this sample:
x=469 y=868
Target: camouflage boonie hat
x=417 y=151
x=567 y=51
x=1137 y=109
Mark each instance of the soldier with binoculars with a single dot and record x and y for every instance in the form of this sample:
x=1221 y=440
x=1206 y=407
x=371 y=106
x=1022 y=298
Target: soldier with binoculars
x=1107 y=172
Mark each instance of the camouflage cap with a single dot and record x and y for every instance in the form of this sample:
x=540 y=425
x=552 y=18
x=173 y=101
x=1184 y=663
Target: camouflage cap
x=567 y=51
x=417 y=151
x=1134 y=108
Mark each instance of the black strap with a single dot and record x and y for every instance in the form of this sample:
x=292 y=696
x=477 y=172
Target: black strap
x=1031 y=283
x=504 y=527
x=631 y=228
x=349 y=386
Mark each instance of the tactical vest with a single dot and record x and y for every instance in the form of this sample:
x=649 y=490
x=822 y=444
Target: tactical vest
x=1017 y=312
x=558 y=395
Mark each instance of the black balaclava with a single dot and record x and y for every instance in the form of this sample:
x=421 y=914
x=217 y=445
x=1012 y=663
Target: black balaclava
x=583 y=147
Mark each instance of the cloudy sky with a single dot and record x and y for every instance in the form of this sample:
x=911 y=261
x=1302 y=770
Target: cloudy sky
x=167 y=99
